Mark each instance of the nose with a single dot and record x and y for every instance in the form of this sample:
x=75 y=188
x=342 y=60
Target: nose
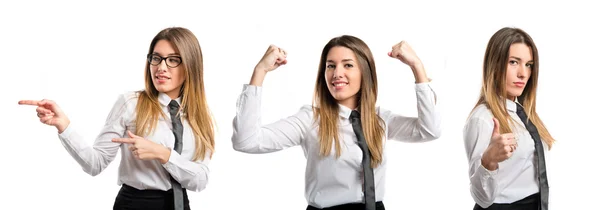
x=338 y=72
x=162 y=66
x=523 y=71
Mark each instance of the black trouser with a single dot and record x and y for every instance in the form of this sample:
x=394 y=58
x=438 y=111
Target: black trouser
x=531 y=202
x=350 y=206
x=130 y=198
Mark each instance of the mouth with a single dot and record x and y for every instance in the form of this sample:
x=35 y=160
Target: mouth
x=161 y=77
x=519 y=84
x=338 y=85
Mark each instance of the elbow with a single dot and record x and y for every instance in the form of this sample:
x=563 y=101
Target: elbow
x=199 y=184
x=235 y=143
x=431 y=134
x=92 y=172
x=199 y=187
x=95 y=165
x=484 y=203
x=435 y=134
x=241 y=144
x=237 y=146
x=482 y=199
x=244 y=149
x=428 y=131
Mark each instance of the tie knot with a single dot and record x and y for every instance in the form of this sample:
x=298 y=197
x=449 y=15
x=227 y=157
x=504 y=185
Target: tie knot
x=354 y=115
x=519 y=108
x=173 y=107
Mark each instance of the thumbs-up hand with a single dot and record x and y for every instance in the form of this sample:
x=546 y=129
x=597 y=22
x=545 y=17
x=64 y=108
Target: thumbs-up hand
x=501 y=147
x=144 y=149
x=49 y=113
x=273 y=58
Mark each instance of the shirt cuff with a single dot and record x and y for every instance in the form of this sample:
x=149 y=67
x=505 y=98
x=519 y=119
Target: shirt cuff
x=67 y=132
x=487 y=173
x=423 y=86
x=172 y=158
x=252 y=90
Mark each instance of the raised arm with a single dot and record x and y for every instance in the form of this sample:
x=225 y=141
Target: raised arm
x=427 y=126
x=249 y=134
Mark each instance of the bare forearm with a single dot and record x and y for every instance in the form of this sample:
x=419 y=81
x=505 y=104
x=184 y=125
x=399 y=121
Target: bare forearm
x=419 y=73
x=258 y=76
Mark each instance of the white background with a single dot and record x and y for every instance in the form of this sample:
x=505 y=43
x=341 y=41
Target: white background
x=83 y=55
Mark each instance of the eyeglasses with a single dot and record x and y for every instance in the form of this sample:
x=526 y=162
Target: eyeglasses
x=172 y=61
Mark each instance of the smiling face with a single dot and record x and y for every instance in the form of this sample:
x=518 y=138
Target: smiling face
x=343 y=76
x=518 y=69
x=166 y=78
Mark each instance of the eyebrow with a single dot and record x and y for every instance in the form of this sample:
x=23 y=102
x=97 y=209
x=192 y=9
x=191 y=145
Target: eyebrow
x=519 y=59
x=170 y=54
x=344 y=60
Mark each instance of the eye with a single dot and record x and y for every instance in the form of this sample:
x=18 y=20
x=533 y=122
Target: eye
x=330 y=66
x=348 y=65
x=156 y=58
x=529 y=65
x=513 y=62
x=174 y=59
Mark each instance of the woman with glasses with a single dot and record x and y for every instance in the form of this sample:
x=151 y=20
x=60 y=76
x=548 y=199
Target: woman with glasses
x=165 y=132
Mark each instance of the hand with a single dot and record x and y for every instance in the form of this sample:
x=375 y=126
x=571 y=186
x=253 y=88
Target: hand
x=403 y=52
x=273 y=58
x=49 y=113
x=501 y=147
x=144 y=149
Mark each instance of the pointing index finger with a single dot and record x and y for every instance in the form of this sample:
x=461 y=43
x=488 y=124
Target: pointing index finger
x=123 y=140
x=29 y=102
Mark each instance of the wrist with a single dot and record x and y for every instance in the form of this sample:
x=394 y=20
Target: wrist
x=164 y=155
x=416 y=66
x=258 y=69
x=488 y=164
x=61 y=127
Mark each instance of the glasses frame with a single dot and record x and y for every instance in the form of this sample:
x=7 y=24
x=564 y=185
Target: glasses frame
x=149 y=58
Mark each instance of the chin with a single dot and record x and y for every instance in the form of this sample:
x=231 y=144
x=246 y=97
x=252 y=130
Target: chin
x=338 y=97
x=160 y=89
x=516 y=95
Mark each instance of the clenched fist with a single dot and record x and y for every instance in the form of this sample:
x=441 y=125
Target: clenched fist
x=403 y=52
x=273 y=58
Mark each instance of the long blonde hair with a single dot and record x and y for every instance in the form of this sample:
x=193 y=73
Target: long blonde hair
x=193 y=102
x=493 y=91
x=326 y=108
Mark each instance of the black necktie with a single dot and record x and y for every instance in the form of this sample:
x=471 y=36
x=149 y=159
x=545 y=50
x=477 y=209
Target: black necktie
x=369 y=180
x=539 y=150
x=178 y=132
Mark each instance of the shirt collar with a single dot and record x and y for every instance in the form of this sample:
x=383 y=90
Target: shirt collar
x=511 y=105
x=164 y=99
x=345 y=111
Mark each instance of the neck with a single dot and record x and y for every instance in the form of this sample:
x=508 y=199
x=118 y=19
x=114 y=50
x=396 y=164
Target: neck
x=173 y=95
x=350 y=103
